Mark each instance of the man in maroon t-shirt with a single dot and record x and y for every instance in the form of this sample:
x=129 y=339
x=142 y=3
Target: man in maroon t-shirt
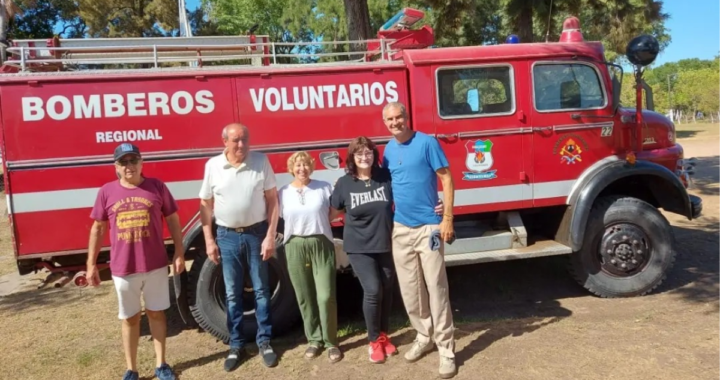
x=134 y=207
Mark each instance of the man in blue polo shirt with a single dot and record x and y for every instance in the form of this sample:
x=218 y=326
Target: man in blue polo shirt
x=415 y=161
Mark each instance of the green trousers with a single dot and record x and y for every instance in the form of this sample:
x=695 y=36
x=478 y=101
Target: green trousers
x=311 y=265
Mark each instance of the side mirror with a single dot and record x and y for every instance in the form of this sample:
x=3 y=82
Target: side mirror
x=617 y=89
x=649 y=102
x=616 y=84
x=642 y=50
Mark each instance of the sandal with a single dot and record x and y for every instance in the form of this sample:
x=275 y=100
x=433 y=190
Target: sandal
x=312 y=352
x=335 y=355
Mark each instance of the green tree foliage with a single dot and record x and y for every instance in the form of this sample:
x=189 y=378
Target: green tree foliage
x=200 y=24
x=688 y=85
x=129 y=18
x=40 y=18
x=276 y=18
x=614 y=22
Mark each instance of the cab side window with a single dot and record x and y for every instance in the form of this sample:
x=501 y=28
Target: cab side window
x=567 y=86
x=475 y=91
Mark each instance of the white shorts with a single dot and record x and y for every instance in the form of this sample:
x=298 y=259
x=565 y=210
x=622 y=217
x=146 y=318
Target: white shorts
x=154 y=287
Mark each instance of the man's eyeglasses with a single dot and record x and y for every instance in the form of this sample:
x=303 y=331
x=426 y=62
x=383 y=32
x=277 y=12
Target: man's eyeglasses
x=132 y=161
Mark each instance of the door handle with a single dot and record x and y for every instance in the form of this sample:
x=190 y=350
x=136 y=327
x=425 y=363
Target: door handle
x=543 y=129
x=330 y=160
x=443 y=136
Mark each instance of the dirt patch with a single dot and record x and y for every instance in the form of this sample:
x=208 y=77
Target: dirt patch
x=523 y=319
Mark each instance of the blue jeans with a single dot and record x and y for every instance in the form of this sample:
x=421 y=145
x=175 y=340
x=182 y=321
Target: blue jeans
x=236 y=251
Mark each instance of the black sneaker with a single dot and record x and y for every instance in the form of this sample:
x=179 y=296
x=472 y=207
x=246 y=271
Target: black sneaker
x=131 y=375
x=233 y=359
x=269 y=356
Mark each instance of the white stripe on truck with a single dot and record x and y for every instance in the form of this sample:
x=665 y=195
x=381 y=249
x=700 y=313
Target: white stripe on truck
x=183 y=190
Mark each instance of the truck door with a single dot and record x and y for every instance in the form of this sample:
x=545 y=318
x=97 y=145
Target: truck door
x=569 y=136
x=481 y=125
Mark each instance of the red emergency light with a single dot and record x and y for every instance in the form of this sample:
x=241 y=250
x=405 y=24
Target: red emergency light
x=571 y=30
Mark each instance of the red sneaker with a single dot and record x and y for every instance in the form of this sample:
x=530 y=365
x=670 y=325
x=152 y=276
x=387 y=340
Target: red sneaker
x=389 y=348
x=377 y=354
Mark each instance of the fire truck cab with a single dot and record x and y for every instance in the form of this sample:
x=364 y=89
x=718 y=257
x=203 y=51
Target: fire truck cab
x=545 y=159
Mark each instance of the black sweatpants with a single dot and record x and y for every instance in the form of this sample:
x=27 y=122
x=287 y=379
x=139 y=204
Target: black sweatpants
x=376 y=273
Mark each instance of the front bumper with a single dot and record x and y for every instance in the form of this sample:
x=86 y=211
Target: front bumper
x=695 y=205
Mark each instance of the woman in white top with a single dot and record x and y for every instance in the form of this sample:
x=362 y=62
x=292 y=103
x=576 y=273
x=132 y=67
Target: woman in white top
x=310 y=254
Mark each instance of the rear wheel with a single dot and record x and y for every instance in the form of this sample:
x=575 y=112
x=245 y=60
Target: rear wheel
x=627 y=250
x=207 y=298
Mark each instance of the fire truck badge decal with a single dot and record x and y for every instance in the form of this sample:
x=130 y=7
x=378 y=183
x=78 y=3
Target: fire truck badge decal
x=569 y=149
x=479 y=160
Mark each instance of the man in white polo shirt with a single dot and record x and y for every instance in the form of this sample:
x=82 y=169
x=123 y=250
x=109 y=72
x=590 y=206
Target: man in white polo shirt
x=239 y=187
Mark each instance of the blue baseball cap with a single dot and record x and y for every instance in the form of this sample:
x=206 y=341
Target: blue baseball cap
x=125 y=149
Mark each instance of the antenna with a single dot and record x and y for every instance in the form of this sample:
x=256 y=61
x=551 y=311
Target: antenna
x=547 y=34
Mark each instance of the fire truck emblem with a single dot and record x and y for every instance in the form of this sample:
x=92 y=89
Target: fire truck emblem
x=569 y=149
x=479 y=160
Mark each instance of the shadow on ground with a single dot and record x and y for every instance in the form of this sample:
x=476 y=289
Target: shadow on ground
x=30 y=298
x=498 y=299
x=684 y=134
x=707 y=175
x=695 y=274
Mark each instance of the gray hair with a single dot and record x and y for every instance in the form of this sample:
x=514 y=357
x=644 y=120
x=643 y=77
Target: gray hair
x=234 y=125
x=395 y=105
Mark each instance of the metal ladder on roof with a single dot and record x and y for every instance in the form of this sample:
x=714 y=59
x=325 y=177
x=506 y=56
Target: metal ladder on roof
x=81 y=54
x=62 y=54
x=55 y=54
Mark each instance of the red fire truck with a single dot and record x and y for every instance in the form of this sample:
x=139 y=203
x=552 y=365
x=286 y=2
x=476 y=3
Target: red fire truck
x=545 y=159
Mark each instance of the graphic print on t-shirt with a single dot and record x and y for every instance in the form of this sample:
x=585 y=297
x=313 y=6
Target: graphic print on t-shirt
x=359 y=199
x=368 y=212
x=133 y=219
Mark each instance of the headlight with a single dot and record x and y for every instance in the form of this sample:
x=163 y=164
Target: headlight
x=671 y=133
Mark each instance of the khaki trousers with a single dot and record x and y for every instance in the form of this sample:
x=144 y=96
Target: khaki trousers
x=424 y=285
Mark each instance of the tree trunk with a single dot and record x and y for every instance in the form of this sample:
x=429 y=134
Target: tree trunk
x=525 y=25
x=358 y=23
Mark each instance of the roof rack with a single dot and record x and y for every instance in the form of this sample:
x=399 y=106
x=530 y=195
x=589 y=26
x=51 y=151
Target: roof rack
x=55 y=54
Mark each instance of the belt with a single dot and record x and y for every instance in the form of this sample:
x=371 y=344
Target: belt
x=243 y=229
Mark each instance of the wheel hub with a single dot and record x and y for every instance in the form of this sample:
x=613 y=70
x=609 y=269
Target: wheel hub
x=624 y=249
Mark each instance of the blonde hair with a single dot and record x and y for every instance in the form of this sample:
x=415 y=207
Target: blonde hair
x=300 y=156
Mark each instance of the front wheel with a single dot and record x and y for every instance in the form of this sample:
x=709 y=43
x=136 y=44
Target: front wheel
x=207 y=299
x=627 y=250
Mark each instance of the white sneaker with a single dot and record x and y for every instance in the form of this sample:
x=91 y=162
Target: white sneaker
x=417 y=351
x=447 y=367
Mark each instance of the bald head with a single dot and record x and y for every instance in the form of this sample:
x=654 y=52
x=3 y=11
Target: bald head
x=235 y=128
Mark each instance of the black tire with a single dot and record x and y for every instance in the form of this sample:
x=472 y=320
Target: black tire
x=180 y=287
x=207 y=299
x=645 y=261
